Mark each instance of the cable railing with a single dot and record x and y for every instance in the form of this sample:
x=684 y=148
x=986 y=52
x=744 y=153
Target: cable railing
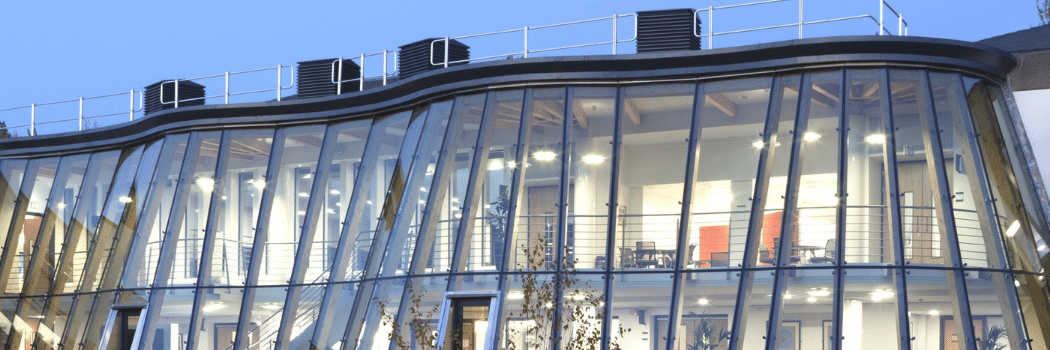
x=226 y=92
x=81 y=117
x=902 y=25
x=525 y=40
x=337 y=70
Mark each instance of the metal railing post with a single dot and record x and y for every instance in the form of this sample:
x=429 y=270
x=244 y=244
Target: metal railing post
x=800 y=21
x=614 y=33
x=80 y=118
x=339 y=80
x=900 y=24
x=131 y=105
x=176 y=94
x=227 y=93
x=711 y=27
x=446 y=52
x=32 y=119
x=882 y=5
x=278 y=82
x=526 y=53
x=384 y=67
x=361 y=78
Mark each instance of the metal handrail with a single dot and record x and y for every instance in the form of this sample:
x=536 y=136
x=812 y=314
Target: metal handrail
x=280 y=86
x=80 y=118
x=337 y=70
x=902 y=25
x=525 y=30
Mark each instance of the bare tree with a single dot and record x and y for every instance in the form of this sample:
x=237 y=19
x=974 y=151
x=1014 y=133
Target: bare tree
x=1043 y=8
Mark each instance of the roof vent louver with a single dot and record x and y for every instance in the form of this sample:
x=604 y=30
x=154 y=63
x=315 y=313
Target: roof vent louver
x=667 y=30
x=416 y=58
x=314 y=78
x=190 y=94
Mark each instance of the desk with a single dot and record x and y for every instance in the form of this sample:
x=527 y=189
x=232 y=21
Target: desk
x=663 y=257
x=811 y=249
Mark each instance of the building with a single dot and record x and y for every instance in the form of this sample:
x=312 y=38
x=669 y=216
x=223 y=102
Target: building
x=861 y=192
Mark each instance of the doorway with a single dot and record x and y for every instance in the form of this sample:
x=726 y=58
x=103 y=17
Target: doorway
x=469 y=322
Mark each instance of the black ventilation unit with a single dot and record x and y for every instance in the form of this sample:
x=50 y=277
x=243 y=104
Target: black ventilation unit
x=415 y=58
x=314 y=78
x=667 y=30
x=190 y=94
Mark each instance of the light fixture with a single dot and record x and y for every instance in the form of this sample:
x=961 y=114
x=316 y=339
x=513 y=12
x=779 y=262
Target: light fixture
x=303 y=194
x=550 y=305
x=308 y=176
x=335 y=192
x=703 y=301
x=1010 y=232
x=260 y=184
x=206 y=184
x=61 y=205
x=758 y=144
x=511 y=164
x=495 y=164
x=422 y=201
x=124 y=199
x=515 y=296
x=880 y=295
x=788 y=296
x=544 y=156
x=875 y=139
x=811 y=136
x=213 y=307
x=593 y=159
x=823 y=292
x=934 y=312
x=811 y=299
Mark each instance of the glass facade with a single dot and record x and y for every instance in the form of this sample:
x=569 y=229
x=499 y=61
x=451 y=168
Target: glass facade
x=877 y=208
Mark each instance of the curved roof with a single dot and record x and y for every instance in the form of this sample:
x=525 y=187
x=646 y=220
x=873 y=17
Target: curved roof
x=847 y=51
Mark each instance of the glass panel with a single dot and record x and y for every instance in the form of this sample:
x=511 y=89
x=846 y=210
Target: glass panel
x=114 y=243
x=708 y=305
x=416 y=191
x=11 y=174
x=142 y=264
x=28 y=215
x=593 y=119
x=22 y=239
x=115 y=201
x=421 y=315
x=378 y=338
x=806 y=308
x=295 y=178
x=199 y=184
x=219 y=313
x=460 y=151
x=387 y=134
x=641 y=303
x=489 y=234
x=818 y=171
x=932 y=307
x=349 y=143
x=655 y=121
x=732 y=117
x=526 y=318
x=86 y=212
x=987 y=291
x=1033 y=297
x=869 y=310
x=924 y=241
x=52 y=231
x=780 y=141
x=538 y=202
x=756 y=314
x=266 y=317
x=868 y=237
x=238 y=212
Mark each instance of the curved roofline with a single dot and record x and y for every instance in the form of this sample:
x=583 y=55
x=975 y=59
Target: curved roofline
x=826 y=52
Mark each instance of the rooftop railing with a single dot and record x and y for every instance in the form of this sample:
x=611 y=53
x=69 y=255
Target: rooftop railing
x=527 y=46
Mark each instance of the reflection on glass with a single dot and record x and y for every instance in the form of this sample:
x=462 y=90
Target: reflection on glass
x=817 y=198
x=592 y=118
x=868 y=237
x=731 y=118
x=655 y=121
x=869 y=310
x=539 y=201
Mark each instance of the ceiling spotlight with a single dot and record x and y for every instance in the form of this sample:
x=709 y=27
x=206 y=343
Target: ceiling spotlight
x=811 y=136
x=206 y=184
x=875 y=139
x=703 y=301
x=544 y=156
x=593 y=159
x=125 y=199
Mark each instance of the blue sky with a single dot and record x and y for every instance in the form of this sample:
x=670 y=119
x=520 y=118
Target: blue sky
x=64 y=50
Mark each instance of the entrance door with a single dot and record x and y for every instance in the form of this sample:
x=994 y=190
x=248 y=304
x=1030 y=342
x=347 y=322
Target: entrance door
x=124 y=328
x=469 y=323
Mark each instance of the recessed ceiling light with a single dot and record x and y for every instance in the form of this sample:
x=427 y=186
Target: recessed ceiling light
x=544 y=156
x=875 y=139
x=811 y=136
x=593 y=159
